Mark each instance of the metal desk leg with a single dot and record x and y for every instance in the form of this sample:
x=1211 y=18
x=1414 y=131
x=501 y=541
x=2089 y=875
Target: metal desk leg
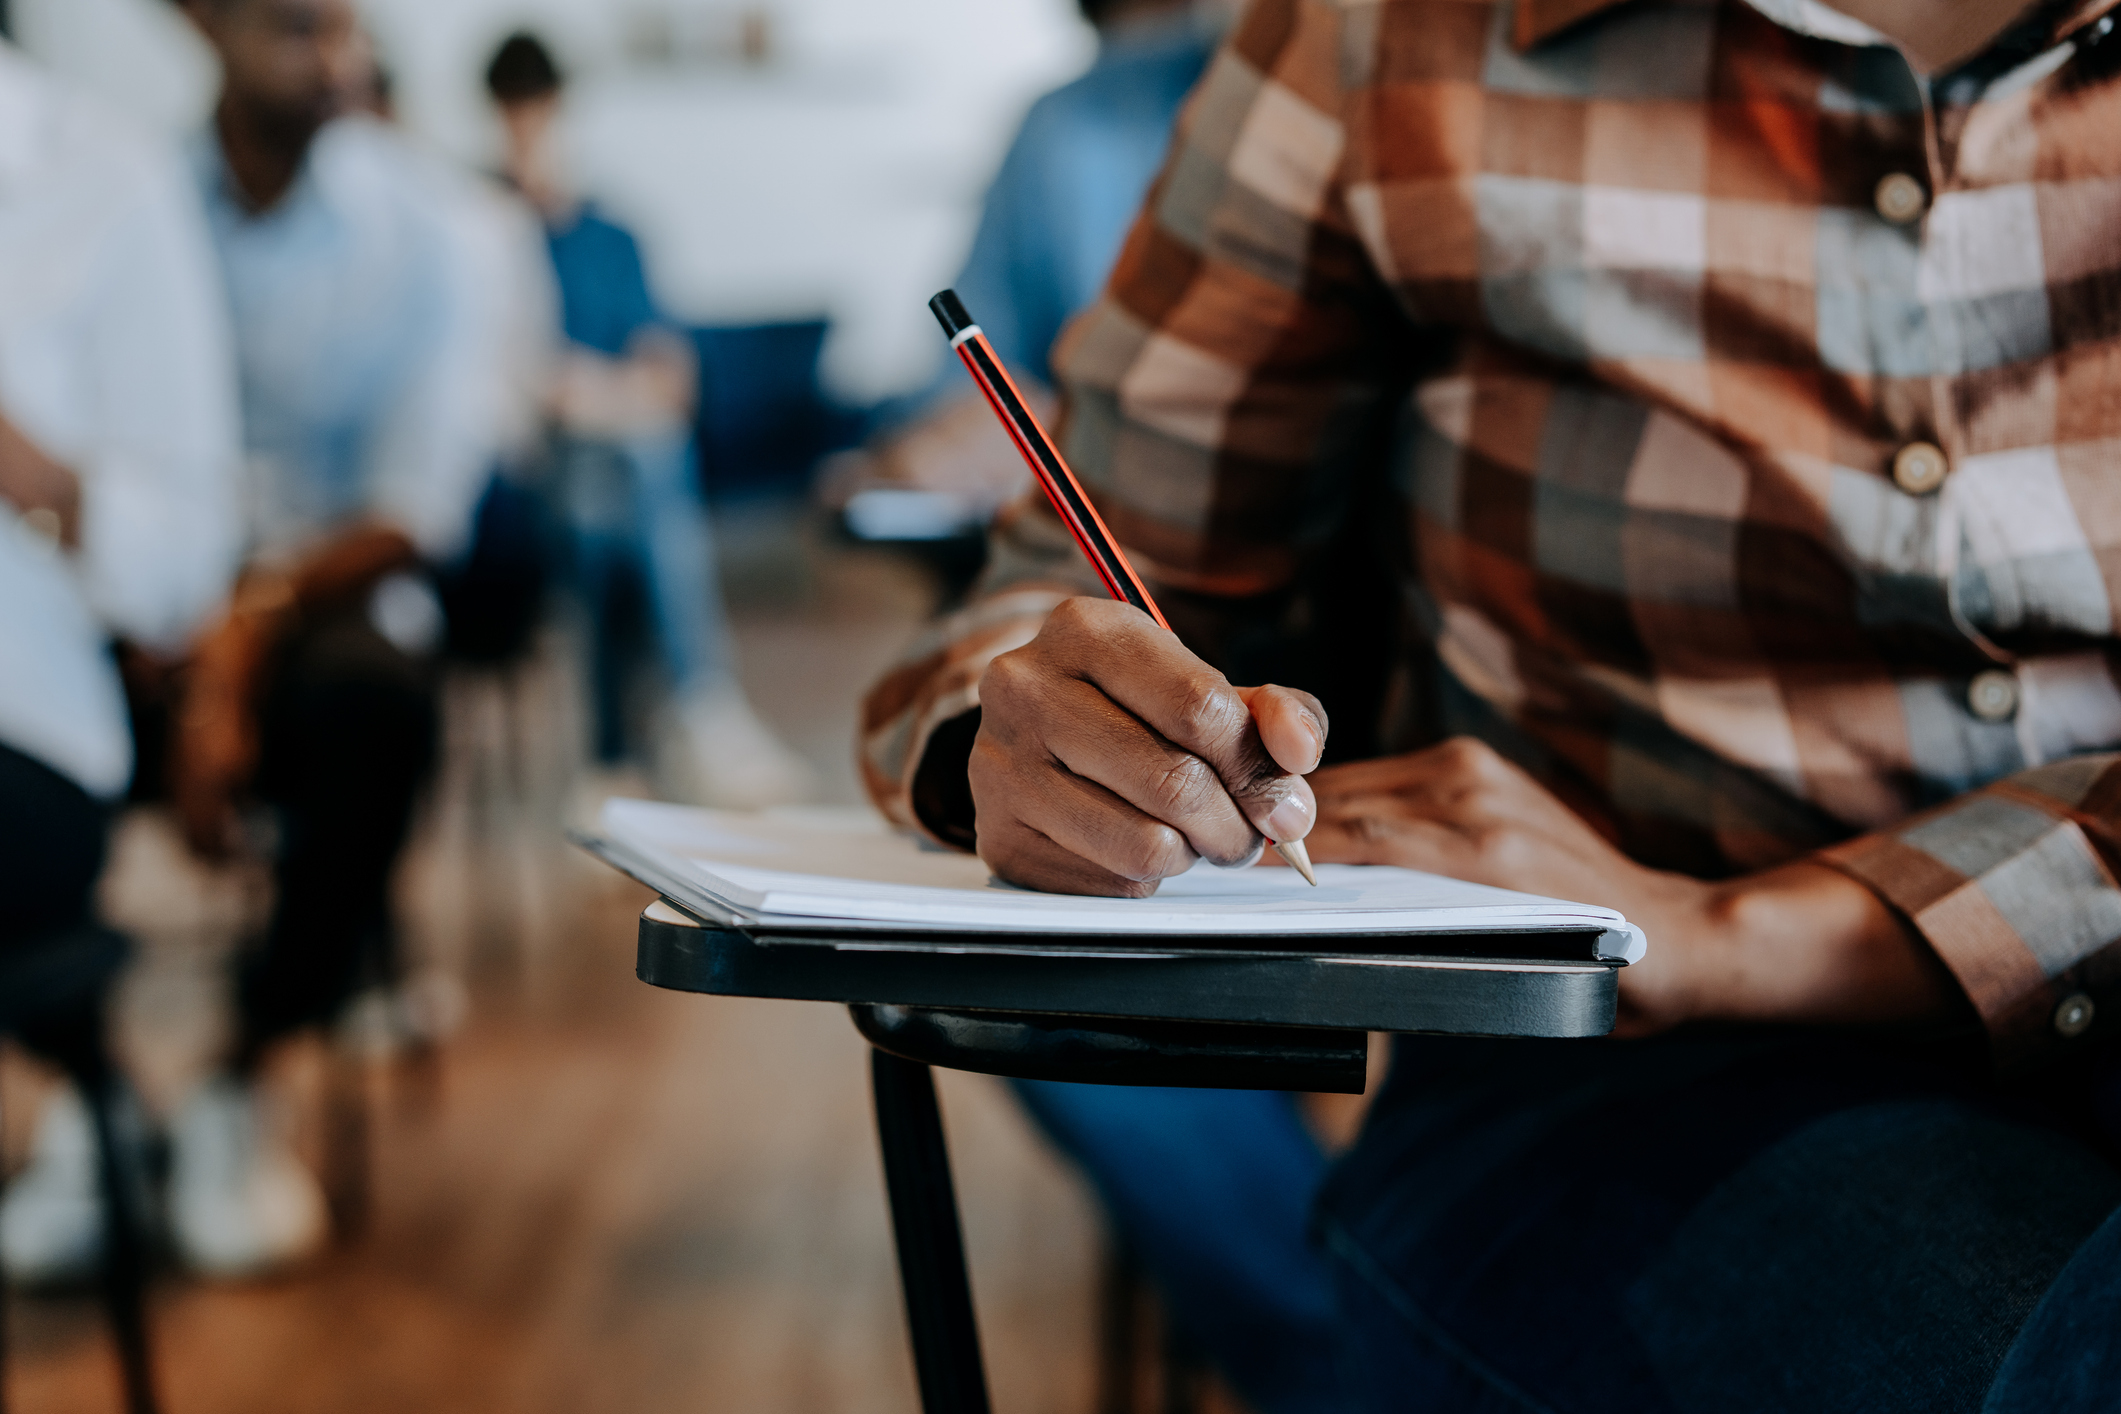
x=931 y=1250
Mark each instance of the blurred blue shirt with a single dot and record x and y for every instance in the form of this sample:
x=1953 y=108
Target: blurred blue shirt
x=1071 y=184
x=604 y=299
x=363 y=362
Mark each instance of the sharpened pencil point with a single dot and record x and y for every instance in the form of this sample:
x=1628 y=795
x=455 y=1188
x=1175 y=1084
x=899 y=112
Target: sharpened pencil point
x=1298 y=858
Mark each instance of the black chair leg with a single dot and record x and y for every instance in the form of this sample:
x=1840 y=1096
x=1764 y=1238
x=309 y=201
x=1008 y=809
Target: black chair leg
x=348 y=1161
x=1118 y=1330
x=931 y=1248
x=124 y=1247
x=1182 y=1374
x=3 y=1346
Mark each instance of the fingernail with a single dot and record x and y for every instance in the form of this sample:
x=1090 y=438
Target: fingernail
x=1290 y=820
x=1318 y=738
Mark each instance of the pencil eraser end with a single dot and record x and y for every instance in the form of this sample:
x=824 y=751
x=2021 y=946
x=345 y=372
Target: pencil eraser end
x=950 y=312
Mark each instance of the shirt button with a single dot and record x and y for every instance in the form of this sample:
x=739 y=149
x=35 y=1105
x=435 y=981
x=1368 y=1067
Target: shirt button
x=2074 y=1016
x=1993 y=696
x=1899 y=198
x=1920 y=468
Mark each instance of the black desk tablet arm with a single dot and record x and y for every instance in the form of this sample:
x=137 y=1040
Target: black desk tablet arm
x=1109 y=1012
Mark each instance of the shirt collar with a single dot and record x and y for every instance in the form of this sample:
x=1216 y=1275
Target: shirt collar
x=224 y=195
x=1537 y=21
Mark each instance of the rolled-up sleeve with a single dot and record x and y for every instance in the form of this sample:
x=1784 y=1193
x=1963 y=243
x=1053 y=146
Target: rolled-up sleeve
x=2017 y=887
x=1216 y=395
x=1032 y=567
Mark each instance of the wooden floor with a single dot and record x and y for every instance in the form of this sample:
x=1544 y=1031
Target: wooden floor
x=600 y=1196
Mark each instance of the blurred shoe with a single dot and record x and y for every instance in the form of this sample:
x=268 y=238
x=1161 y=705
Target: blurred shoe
x=424 y=1009
x=51 y=1215
x=240 y=1202
x=735 y=762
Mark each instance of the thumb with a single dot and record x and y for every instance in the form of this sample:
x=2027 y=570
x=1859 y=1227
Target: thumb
x=1290 y=727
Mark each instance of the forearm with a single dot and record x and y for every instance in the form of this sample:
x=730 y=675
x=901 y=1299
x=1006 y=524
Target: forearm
x=344 y=566
x=1802 y=944
x=42 y=492
x=229 y=657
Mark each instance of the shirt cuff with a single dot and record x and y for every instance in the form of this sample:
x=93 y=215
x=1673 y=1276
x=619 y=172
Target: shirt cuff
x=939 y=681
x=2014 y=886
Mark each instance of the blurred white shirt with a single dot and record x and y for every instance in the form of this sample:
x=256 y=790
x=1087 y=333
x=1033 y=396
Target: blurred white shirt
x=366 y=382
x=115 y=360
x=514 y=299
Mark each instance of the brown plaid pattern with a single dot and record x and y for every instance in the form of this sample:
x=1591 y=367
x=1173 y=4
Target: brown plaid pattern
x=1676 y=335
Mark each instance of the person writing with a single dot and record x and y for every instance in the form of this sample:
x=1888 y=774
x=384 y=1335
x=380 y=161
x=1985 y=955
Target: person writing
x=1725 y=393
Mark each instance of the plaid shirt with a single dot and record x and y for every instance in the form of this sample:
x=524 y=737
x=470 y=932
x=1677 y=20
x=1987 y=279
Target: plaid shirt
x=1750 y=410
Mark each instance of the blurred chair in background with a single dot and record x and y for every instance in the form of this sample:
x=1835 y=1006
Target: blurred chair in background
x=370 y=426
x=1049 y=230
x=118 y=515
x=627 y=477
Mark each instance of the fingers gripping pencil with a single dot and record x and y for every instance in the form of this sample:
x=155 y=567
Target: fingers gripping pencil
x=1061 y=487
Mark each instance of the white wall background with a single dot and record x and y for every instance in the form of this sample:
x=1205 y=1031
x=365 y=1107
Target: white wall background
x=840 y=177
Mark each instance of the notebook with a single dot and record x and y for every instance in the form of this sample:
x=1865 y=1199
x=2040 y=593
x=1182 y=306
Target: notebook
x=846 y=873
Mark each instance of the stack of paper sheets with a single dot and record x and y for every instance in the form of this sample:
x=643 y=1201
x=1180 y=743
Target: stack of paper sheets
x=841 y=871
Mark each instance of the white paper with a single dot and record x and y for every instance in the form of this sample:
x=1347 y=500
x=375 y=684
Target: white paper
x=847 y=871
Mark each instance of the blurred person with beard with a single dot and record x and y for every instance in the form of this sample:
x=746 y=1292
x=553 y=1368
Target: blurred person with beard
x=368 y=428
x=118 y=516
x=621 y=408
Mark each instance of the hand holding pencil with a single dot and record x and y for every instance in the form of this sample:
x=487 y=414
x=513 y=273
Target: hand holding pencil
x=1109 y=757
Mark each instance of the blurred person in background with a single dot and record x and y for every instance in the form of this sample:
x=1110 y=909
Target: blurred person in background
x=493 y=594
x=369 y=430
x=621 y=407
x=118 y=516
x=1049 y=229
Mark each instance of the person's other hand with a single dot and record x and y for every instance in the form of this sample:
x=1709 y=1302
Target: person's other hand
x=1800 y=943
x=215 y=751
x=1110 y=758
x=649 y=391
x=40 y=489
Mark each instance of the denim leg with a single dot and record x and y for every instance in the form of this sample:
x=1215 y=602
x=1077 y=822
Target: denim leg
x=597 y=498
x=1737 y=1226
x=684 y=589
x=348 y=738
x=2067 y=1360
x=1213 y=1190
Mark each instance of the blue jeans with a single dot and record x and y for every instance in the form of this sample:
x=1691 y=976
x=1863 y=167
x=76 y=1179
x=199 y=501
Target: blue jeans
x=1213 y=1191
x=1738 y=1225
x=635 y=507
